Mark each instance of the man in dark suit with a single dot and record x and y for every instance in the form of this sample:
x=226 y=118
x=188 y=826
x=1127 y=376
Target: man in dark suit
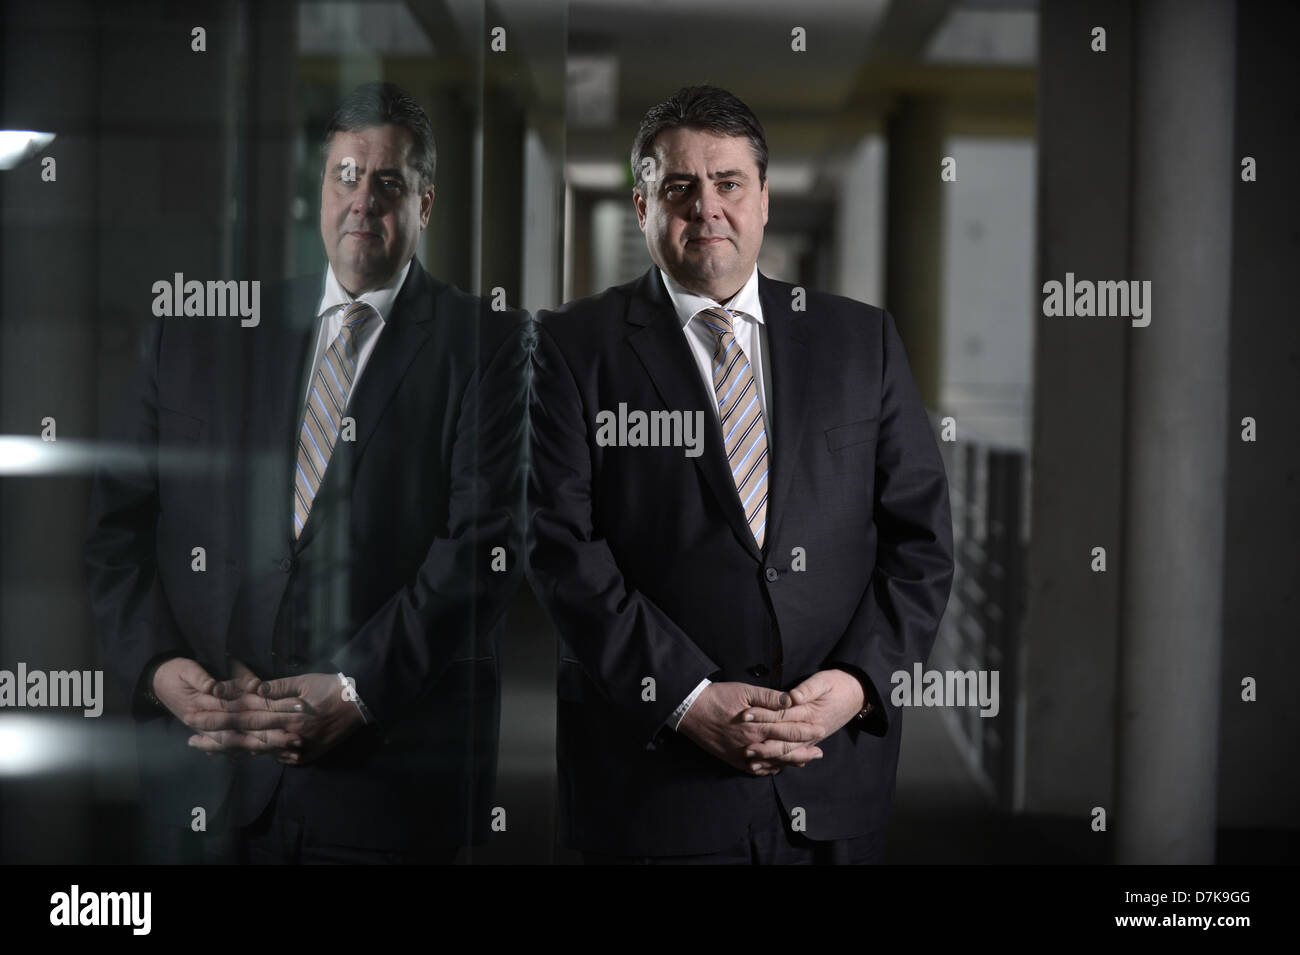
x=309 y=574
x=730 y=612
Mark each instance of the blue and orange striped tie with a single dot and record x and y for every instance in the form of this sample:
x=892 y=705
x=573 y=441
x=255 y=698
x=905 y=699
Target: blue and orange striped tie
x=330 y=386
x=743 y=435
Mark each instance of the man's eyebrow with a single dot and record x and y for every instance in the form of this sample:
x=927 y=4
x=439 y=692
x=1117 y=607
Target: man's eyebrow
x=720 y=174
x=388 y=171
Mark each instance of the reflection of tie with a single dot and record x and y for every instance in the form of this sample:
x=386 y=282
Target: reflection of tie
x=743 y=434
x=330 y=385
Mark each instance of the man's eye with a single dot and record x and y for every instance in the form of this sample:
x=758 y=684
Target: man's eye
x=731 y=185
x=391 y=183
x=676 y=189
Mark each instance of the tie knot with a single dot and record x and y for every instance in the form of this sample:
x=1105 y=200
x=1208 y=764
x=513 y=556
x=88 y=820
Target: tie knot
x=356 y=318
x=718 y=319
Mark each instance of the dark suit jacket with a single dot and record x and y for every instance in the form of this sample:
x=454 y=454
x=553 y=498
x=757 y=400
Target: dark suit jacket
x=644 y=561
x=390 y=582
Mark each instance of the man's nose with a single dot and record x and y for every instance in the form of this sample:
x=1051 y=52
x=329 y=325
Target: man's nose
x=707 y=206
x=364 y=197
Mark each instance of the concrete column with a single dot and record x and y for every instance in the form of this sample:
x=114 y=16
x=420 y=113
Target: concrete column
x=503 y=189
x=267 y=189
x=914 y=234
x=448 y=243
x=1071 y=634
x=1176 y=443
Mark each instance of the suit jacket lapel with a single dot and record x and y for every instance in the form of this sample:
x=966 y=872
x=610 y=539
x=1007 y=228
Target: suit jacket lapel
x=661 y=346
x=788 y=373
x=405 y=330
x=277 y=355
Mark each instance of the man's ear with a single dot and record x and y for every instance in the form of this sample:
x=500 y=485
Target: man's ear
x=763 y=199
x=426 y=206
x=638 y=202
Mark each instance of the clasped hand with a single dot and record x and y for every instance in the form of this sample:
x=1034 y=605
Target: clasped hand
x=295 y=719
x=760 y=730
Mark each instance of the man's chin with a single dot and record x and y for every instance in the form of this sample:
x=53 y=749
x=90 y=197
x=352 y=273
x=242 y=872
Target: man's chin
x=364 y=275
x=717 y=259
x=706 y=268
x=711 y=250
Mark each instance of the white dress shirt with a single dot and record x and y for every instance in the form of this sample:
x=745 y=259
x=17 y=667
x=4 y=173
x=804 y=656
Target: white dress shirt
x=751 y=335
x=329 y=320
x=749 y=329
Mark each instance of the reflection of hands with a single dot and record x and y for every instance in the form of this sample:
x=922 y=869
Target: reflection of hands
x=330 y=707
x=824 y=703
x=226 y=715
x=714 y=723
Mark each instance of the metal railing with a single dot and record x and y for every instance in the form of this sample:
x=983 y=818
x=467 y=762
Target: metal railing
x=989 y=489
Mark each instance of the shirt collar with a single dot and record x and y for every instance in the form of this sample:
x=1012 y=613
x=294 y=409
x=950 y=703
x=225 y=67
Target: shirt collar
x=336 y=296
x=689 y=304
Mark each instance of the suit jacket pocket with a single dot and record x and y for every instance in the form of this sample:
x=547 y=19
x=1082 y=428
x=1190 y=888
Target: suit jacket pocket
x=849 y=434
x=571 y=680
x=467 y=680
x=177 y=426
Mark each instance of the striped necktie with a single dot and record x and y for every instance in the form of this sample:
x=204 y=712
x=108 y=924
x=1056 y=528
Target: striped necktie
x=331 y=384
x=743 y=434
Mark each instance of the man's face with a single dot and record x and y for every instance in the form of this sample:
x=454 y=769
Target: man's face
x=703 y=216
x=372 y=209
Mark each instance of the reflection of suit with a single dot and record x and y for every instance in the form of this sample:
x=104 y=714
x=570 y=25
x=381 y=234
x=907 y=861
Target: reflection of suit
x=390 y=582
x=643 y=559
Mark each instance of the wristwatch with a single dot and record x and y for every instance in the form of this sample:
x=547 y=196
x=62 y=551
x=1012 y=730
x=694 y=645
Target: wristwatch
x=862 y=714
x=150 y=672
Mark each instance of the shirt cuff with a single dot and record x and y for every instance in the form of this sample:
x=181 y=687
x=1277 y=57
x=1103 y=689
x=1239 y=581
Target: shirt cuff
x=350 y=693
x=675 y=720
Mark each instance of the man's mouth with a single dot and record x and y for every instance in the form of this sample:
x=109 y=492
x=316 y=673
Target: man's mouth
x=706 y=240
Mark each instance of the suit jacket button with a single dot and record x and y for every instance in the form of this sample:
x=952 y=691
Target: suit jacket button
x=771 y=573
x=759 y=671
x=286 y=565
